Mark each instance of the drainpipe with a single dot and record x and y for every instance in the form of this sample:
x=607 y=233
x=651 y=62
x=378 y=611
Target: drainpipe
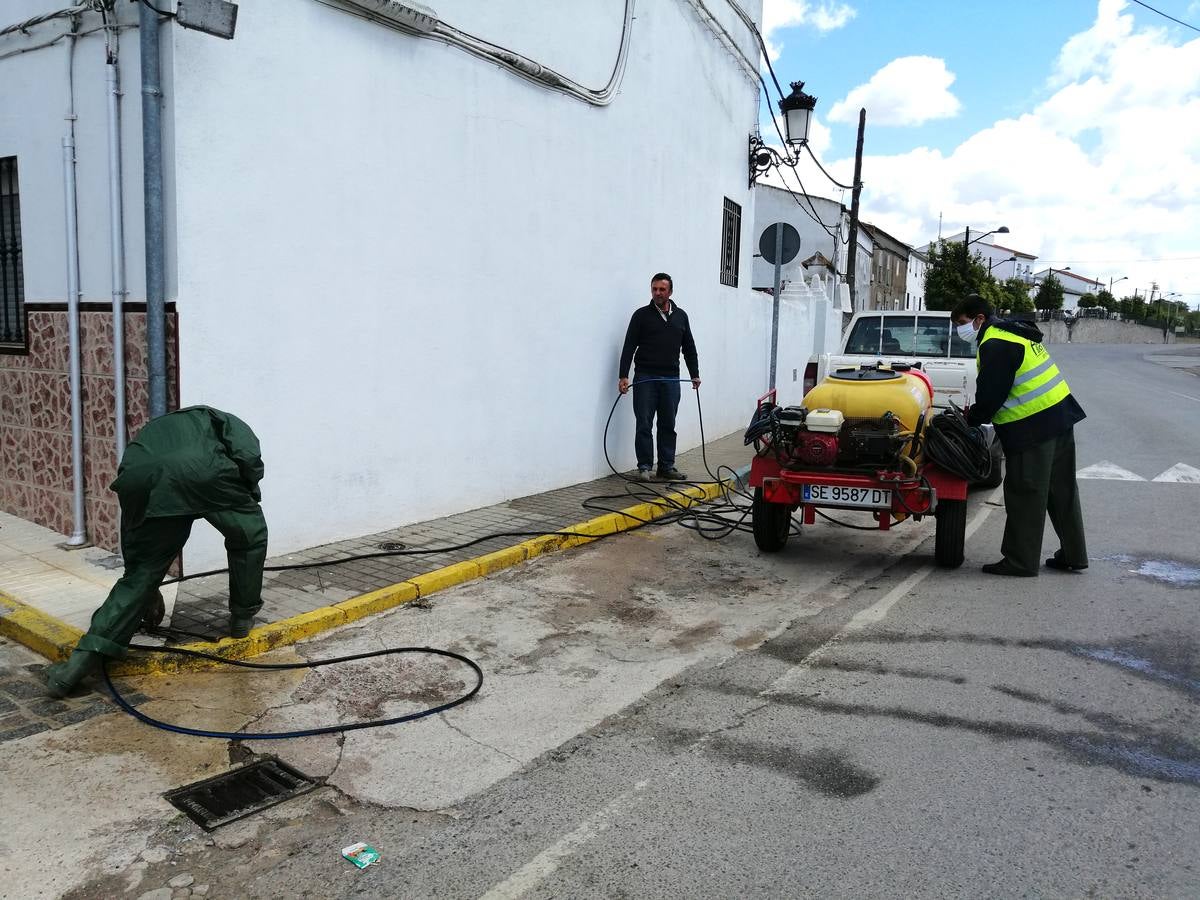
x=152 y=183
x=78 y=537
x=117 y=237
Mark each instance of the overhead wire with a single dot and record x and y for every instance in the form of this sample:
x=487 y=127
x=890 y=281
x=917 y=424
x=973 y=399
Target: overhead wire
x=1165 y=16
x=518 y=64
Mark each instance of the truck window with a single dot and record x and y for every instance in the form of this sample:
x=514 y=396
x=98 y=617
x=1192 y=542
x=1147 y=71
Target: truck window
x=864 y=338
x=933 y=337
x=898 y=335
x=959 y=348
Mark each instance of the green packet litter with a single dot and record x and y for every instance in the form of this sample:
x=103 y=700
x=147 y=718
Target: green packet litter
x=362 y=855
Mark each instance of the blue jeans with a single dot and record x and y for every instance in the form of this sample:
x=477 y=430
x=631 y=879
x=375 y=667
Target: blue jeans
x=651 y=398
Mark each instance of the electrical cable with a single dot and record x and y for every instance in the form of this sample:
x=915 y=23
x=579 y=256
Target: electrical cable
x=308 y=664
x=162 y=12
x=514 y=62
x=844 y=187
x=1165 y=16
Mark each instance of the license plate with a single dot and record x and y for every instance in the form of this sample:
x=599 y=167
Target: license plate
x=836 y=495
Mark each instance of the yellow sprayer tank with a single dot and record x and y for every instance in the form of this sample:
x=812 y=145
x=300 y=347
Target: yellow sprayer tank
x=869 y=393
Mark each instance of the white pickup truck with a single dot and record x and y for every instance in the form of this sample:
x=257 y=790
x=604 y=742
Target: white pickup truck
x=924 y=339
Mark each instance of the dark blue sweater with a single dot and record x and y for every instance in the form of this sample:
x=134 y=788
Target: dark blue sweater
x=658 y=343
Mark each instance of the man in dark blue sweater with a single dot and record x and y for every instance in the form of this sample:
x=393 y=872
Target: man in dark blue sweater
x=657 y=333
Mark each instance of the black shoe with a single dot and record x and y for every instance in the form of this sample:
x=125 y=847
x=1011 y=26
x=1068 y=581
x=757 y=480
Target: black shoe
x=671 y=474
x=1004 y=567
x=1056 y=562
x=643 y=475
x=155 y=612
x=239 y=627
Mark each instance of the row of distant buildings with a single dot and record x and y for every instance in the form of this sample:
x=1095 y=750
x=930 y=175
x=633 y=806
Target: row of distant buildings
x=889 y=273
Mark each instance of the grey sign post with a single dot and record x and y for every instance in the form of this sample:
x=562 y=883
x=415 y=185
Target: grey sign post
x=779 y=244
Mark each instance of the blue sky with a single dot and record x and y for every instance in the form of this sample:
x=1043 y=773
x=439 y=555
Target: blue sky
x=1076 y=123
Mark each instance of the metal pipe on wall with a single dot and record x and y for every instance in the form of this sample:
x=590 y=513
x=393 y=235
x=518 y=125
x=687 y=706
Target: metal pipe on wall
x=152 y=182
x=117 y=240
x=78 y=536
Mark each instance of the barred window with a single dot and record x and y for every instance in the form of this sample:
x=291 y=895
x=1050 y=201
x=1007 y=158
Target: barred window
x=12 y=282
x=731 y=242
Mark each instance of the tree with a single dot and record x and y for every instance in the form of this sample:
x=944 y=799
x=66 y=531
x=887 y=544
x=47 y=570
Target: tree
x=1049 y=294
x=1133 y=308
x=953 y=275
x=1107 y=301
x=1015 y=294
x=1088 y=300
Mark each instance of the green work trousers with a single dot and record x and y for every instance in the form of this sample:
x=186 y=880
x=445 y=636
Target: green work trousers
x=1038 y=480
x=152 y=546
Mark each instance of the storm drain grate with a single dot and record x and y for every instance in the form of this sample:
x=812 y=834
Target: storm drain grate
x=234 y=795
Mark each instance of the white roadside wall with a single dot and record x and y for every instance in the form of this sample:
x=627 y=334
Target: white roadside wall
x=411 y=271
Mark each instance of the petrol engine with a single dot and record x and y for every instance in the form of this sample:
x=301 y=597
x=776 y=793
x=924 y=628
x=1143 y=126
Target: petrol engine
x=869 y=418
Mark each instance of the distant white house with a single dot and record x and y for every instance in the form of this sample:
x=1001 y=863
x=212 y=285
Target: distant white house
x=824 y=228
x=407 y=262
x=1074 y=286
x=1002 y=262
x=914 y=285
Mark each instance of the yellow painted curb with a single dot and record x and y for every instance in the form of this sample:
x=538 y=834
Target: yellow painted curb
x=55 y=639
x=39 y=632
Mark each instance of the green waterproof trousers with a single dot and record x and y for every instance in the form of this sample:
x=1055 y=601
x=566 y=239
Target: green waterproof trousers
x=1038 y=480
x=152 y=546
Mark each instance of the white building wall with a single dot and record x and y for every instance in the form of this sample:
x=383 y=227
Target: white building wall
x=914 y=288
x=771 y=205
x=34 y=100
x=411 y=271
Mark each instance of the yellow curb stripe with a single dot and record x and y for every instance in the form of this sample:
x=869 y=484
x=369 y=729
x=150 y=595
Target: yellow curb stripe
x=55 y=639
x=42 y=633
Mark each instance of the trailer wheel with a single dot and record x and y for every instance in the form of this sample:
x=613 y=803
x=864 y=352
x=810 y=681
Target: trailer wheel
x=951 y=533
x=772 y=523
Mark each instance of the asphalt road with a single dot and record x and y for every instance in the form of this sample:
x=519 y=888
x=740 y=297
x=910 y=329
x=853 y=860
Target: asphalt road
x=868 y=725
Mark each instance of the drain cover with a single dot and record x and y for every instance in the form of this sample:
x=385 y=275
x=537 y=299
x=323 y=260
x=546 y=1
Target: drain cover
x=234 y=795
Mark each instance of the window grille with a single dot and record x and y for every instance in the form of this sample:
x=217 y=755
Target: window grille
x=13 y=335
x=731 y=242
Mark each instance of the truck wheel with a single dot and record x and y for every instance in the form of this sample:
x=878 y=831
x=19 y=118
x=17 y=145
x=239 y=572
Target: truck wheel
x=772 y=523
x=951 y=533
x=997 y=473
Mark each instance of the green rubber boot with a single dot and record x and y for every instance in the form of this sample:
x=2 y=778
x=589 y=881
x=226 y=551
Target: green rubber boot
x=239 y=627
x=64 y=677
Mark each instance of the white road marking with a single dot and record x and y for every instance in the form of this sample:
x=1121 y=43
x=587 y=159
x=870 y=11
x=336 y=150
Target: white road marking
x=1185 y=396
x=1108 y=470
x=547 y=862
x=1181 y=473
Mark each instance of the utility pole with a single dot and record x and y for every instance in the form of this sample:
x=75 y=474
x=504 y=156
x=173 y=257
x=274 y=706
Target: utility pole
x=852 y=253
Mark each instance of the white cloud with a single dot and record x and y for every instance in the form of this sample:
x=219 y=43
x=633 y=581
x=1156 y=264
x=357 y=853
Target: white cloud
x=1103 y=175
x=824 y=15
x=907 y=91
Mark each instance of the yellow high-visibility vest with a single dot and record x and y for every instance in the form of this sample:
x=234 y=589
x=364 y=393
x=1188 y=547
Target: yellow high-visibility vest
x=1038 y=384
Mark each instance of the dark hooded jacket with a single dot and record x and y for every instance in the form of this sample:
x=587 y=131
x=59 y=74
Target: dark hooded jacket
x=998 y=364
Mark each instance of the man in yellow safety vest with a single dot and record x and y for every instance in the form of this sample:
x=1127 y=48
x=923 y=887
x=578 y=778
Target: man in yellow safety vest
x=1020 y=390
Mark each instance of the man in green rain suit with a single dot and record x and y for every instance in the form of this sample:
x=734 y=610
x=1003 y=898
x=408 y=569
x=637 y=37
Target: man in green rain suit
x=196 y=463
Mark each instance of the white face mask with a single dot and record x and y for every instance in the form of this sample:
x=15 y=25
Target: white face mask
x=966 y=331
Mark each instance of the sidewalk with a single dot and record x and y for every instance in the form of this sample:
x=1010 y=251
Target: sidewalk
x=47 y=594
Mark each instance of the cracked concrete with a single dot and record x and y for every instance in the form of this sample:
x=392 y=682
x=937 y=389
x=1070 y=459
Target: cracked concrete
x=566 y=642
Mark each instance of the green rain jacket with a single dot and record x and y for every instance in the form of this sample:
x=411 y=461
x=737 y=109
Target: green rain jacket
x=189 y=463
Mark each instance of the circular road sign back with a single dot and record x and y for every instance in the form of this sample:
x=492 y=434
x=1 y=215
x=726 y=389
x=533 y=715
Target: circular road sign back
x=791 y=243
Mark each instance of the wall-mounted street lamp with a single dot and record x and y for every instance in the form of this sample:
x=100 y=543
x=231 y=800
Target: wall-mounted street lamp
x=797 y=109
